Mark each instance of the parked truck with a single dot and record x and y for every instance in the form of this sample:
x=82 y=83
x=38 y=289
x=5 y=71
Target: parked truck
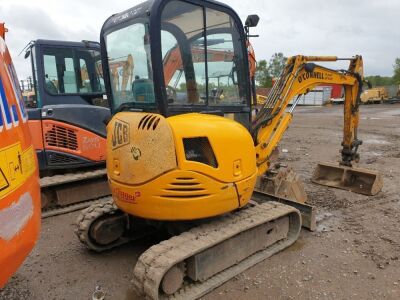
x=375 y=95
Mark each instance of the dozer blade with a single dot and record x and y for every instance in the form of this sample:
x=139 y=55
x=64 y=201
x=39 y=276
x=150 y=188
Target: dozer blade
x=282 y=183
x=357 y=180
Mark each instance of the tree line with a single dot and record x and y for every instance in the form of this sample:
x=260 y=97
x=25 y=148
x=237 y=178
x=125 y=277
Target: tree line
x=267 y=70
x=378 y=80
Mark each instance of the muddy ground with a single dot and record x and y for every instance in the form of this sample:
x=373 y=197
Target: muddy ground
x=354 y=254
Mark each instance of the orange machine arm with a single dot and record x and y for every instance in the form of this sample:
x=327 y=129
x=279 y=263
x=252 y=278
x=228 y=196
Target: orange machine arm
x=3 y=31
x=172 y=62
x=300 y=76
x=173 y=59
x=252 y=60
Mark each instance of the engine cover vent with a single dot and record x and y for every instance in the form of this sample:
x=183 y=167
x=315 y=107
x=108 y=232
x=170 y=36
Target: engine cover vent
x=59 y=159
x=149 y=121
x=59 y=136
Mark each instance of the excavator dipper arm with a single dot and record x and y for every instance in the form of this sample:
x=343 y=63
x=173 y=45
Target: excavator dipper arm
x=299 y=76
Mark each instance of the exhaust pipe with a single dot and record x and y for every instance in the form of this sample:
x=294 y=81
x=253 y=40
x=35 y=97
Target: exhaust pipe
x=357 y=180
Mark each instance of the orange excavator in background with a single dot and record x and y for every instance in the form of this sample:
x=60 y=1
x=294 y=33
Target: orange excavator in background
x=67 y=122
x=19 y=176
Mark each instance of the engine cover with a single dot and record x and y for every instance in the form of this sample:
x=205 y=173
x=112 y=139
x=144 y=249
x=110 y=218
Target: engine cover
x=183 y=167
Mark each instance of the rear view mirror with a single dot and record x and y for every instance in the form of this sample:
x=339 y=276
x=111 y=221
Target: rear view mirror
x=252 y=20
x=27 y=53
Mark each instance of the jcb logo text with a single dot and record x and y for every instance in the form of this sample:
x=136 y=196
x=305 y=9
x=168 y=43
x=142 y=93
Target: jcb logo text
x=120 y=135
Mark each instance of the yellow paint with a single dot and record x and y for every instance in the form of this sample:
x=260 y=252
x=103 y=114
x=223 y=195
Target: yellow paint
x=137 y=152
x=153 y=188
x=153 y=176
x=299 y=82
x=164 y=199
x=229 y=140
x=260 y=99
x=16 y=166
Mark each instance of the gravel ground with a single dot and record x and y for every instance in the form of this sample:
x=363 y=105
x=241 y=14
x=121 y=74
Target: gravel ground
x=353 y=254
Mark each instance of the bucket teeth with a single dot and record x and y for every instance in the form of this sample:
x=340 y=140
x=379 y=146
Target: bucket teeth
x=357 y=180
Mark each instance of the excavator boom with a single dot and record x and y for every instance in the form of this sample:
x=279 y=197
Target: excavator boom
x=299 y=76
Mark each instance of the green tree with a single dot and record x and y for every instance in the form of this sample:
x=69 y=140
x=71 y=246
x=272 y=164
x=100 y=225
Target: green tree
x=378 y=80
x=263 y=77
x=396 y=69
x=276 y=64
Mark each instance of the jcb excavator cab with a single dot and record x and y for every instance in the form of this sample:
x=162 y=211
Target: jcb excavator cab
x=164 y=166
x=67 y=118
x=199 y=29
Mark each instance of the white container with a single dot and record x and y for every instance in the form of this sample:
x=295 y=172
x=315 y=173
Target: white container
x=317 y=97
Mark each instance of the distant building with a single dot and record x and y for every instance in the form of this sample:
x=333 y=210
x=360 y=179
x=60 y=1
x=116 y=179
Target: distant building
x=316 y=97
x=263 y=91
x=319 y=96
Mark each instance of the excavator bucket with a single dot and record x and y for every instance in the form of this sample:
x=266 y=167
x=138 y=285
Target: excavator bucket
x=357 y=180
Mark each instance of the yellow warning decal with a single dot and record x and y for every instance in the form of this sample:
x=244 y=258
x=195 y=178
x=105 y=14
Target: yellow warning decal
x=16 y=166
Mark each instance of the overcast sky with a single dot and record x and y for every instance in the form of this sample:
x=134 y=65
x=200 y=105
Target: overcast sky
x=309 y=27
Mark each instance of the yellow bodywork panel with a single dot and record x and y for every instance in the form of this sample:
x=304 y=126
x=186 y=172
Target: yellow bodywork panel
x=231 y=143
x=185 y=167
x=181 y=195
x=140 y=147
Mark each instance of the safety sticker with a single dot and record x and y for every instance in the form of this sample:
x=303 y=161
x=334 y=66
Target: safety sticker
x=3 y=181
x=16 y=166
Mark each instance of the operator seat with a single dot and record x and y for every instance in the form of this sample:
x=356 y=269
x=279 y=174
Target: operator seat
x=51 y=87
x=143 y=90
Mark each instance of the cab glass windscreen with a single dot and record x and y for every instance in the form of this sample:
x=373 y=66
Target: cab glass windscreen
x=129 y=63
x=202 y=56
x=72 y=71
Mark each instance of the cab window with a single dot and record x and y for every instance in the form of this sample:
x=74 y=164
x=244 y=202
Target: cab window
x=174 y=73
x=181 y=21
x=207 y=67
x=129 y=62
x=72 y=71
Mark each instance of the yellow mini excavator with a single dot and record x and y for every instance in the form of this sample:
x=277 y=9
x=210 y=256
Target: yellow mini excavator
x=186 y=158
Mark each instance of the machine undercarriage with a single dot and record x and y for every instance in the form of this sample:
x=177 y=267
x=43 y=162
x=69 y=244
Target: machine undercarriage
x=204 y=255
x=68 y=192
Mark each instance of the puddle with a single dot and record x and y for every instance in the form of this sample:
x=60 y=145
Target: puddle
x=327 y=221
x=373 y=153
x=297 y=246
x=370 y=118
x=376 y=142
x=132 y=295
x=392 y=112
